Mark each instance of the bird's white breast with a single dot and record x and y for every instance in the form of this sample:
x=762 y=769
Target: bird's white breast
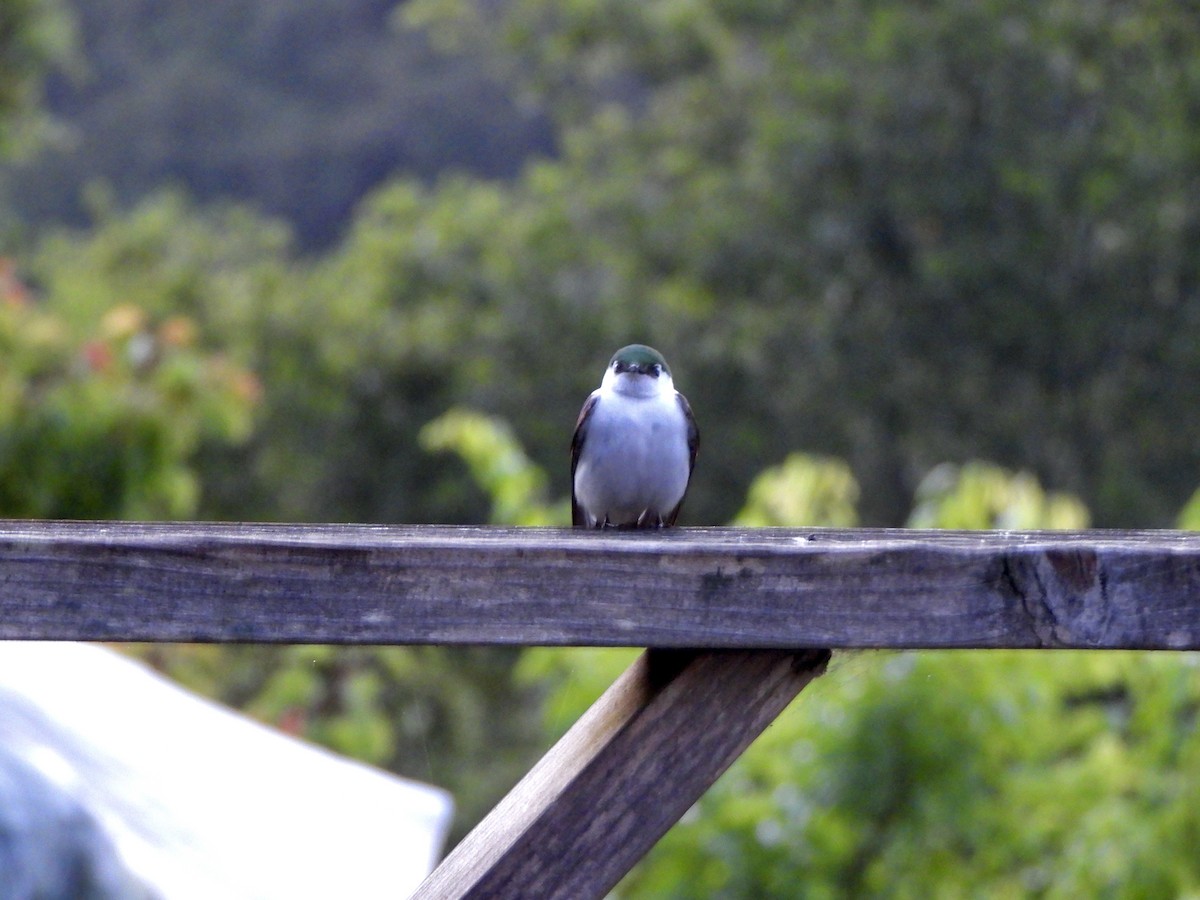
x=635 y=457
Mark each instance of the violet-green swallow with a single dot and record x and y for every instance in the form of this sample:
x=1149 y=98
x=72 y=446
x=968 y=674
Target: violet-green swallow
x=634 y=446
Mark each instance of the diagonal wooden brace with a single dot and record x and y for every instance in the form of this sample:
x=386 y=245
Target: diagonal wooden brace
x=632 y=765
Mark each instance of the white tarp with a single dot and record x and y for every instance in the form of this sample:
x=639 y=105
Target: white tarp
x=201 y=802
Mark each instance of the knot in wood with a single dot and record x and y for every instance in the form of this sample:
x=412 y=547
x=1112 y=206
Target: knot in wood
x=1063 y=594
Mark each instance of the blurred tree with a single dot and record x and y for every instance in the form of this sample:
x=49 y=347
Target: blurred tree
x=956 y=774
x=845 y=226
x=296 y=106
x=498 y=464
x=804 y=490
x=889 y=232
x=981 y=495
x=103 y=411
x=169 y=294
x=36 y=37
x=351 y=379
x=1189 y=516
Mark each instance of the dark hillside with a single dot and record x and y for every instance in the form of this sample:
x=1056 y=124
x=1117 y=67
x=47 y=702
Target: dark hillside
x=296 y=106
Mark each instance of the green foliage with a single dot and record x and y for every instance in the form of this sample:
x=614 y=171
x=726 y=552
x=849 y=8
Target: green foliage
x=170 y=303
x=892 y=233
x=981 y=495
x=103 y=411
x=956 y=774
x=499 y=465
x=36 y=36
x=572 y=678
x=844 y=225
x=1189 y=517
x=350 y=381
x=804 y=490
x=217 y=265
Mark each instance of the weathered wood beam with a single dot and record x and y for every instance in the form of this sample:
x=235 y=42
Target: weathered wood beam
x=627 y=771
x=685 y=587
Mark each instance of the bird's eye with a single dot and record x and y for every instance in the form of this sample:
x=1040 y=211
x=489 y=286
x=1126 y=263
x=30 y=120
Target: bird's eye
x=656 y=370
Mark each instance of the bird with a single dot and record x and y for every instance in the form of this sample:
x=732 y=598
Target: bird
x=634 y=446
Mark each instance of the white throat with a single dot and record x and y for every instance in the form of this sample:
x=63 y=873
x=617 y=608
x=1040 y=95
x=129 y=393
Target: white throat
x=632 y=384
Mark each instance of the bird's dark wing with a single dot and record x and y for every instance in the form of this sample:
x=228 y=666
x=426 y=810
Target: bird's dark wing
x=693 y=439
x=578 y=517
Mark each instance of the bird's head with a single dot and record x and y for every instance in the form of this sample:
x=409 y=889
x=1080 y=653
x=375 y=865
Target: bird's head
x=638 y=370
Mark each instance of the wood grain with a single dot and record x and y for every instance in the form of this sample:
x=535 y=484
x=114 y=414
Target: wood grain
x=627 y=771
x=683 y=587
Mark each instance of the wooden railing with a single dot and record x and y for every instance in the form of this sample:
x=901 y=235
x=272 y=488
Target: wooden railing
x=740 y=621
